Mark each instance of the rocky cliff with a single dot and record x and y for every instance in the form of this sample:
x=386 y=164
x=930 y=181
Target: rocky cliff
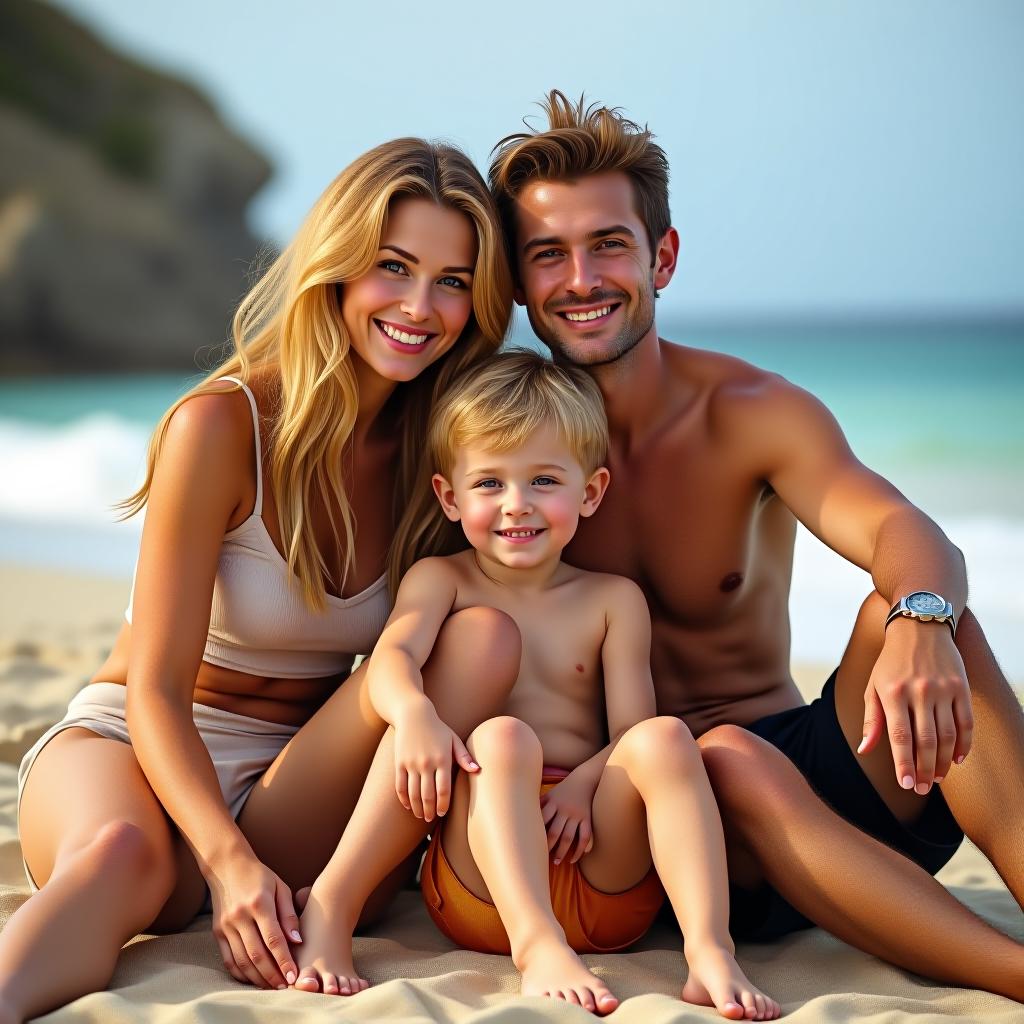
x=123 y=243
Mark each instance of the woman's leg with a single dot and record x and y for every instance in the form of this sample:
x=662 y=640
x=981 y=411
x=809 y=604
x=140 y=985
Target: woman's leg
x=498 y=847
x=316 y=791
x=654 y=800
x=842 y=879
x=110 y=865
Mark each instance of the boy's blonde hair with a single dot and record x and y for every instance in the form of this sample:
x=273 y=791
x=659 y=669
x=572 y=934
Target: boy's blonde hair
x=509 y=398
x=500 y=404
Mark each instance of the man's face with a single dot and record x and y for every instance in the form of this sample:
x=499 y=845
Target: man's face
x=585 y=267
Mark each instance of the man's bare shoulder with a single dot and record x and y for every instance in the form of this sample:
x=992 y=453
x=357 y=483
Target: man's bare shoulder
x=738 y=392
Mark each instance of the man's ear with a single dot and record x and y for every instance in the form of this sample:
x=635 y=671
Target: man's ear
x=666 y=257
x=446 y=495
x=594 y=491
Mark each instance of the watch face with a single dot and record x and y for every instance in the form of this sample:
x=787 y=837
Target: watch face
x=925 y=603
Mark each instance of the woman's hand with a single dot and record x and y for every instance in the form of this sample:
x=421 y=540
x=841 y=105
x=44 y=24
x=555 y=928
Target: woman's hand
x=253 y=913
x=566 y=809
x=424 y=750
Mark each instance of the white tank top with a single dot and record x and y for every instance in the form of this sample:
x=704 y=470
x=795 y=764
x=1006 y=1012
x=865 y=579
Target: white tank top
x=259 y=623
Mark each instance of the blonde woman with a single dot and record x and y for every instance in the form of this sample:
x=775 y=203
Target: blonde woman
x=272 y=493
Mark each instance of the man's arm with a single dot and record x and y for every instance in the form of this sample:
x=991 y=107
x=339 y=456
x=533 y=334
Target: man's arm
x=918 y=688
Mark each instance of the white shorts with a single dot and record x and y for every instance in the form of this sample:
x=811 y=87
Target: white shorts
x=241 y=748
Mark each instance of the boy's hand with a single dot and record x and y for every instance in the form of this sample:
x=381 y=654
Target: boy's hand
x=566 y=809
x=424 y=749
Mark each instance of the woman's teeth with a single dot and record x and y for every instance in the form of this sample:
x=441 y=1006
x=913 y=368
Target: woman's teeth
x=402 y=336
x=591 y=315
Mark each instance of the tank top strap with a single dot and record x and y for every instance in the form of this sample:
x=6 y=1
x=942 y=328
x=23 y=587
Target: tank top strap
x=258 y=510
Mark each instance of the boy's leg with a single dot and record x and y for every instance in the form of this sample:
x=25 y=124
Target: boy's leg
x=498 y=848
x=654 y=801
x=841 y=878
x=469 y=675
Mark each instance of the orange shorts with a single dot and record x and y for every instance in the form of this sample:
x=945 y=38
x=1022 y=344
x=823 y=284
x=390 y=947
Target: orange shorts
x=594 y=921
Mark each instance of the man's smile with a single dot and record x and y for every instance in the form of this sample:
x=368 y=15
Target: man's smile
x=589 y=316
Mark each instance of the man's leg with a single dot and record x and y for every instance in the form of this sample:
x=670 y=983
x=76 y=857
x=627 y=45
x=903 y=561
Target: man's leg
x=841 y=878
x=986 y=792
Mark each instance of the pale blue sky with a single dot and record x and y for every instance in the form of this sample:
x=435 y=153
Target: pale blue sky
x=829 y=158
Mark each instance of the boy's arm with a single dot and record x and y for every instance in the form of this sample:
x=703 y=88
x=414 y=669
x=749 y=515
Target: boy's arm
x=919 y=678
x=424 y=745
x=629 y=699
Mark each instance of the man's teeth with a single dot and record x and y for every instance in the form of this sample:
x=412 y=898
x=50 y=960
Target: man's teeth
x=592 y=315
x=402 y=336
x=519 y=533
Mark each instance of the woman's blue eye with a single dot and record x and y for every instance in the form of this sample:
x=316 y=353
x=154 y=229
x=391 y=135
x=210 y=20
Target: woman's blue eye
x=393 y=265
x=453 y=282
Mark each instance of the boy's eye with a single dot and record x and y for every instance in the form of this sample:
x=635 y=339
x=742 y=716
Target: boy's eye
x=489 y=484
x=544 y=481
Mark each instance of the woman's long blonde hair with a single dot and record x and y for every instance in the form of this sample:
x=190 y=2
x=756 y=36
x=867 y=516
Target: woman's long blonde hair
x=291 y=322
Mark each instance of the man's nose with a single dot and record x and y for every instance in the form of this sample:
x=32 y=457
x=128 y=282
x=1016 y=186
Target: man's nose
x=417 y=303
x=583 y=277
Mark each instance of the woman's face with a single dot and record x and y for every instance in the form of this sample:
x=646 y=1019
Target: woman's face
x=411 y=306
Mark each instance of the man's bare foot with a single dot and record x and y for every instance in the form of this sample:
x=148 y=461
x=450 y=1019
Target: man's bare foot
x=324 y=958
x=553 y=969
x=716 y=980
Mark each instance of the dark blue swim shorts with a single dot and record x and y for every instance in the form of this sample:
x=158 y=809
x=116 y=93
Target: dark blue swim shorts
x=813 y=740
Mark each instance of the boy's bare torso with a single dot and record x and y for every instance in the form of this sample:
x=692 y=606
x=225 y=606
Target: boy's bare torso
x=690 y=518
x=559 y=692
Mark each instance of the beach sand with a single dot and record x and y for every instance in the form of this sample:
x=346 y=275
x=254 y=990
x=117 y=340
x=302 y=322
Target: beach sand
x=54 y=630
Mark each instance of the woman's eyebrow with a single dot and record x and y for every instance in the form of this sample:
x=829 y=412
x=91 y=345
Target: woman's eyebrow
x=412 y=259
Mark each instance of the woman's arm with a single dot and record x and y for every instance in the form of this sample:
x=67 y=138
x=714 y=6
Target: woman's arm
x=424 y=745
x=197 y=491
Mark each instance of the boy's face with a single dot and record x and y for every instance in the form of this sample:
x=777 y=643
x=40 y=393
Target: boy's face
x=520 y=508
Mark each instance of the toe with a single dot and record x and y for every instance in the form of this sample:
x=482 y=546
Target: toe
x=606 y=1002
x=749 y=1006
x=572 y=996
x=587 y=1000
x=759 y=1002
x=308 y=980
x=330 y=983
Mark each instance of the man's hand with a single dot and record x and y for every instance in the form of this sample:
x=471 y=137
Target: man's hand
x=566 y=809
x=918 y=691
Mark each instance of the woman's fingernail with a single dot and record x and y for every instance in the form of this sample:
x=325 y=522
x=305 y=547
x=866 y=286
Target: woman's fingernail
x=908 y=782
x=863 y=744
x=296 y=936
x=960 y=759
x=473 y=764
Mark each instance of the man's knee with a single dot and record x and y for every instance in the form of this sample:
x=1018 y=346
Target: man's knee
x=659 y=744
x=505 y=740
x=747 y=773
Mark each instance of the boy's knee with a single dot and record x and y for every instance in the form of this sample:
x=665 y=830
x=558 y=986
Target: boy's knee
x=659 y=743
x=505 y=739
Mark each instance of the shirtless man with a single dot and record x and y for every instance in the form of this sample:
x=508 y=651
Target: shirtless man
x=713 y=463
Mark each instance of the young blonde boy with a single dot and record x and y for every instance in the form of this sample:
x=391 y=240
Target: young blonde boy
x=624 y=797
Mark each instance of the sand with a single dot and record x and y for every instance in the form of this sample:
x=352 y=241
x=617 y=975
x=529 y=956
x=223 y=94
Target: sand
x=54 y=630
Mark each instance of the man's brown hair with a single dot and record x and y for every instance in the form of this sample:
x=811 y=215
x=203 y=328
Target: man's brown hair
x=580 y=141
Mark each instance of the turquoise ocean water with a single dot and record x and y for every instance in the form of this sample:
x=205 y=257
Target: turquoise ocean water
x=938 y=410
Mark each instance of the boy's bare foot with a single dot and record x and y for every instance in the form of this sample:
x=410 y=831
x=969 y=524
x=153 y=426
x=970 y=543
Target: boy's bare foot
x=553 y=969
x=715 y=979
x=324 y=958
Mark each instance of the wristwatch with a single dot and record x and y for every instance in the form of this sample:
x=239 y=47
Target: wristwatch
x=924 y=606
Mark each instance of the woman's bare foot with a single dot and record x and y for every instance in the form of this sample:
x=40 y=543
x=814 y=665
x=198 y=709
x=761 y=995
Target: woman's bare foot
x=715 y=979
x=553 y=969
x=325 y=957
